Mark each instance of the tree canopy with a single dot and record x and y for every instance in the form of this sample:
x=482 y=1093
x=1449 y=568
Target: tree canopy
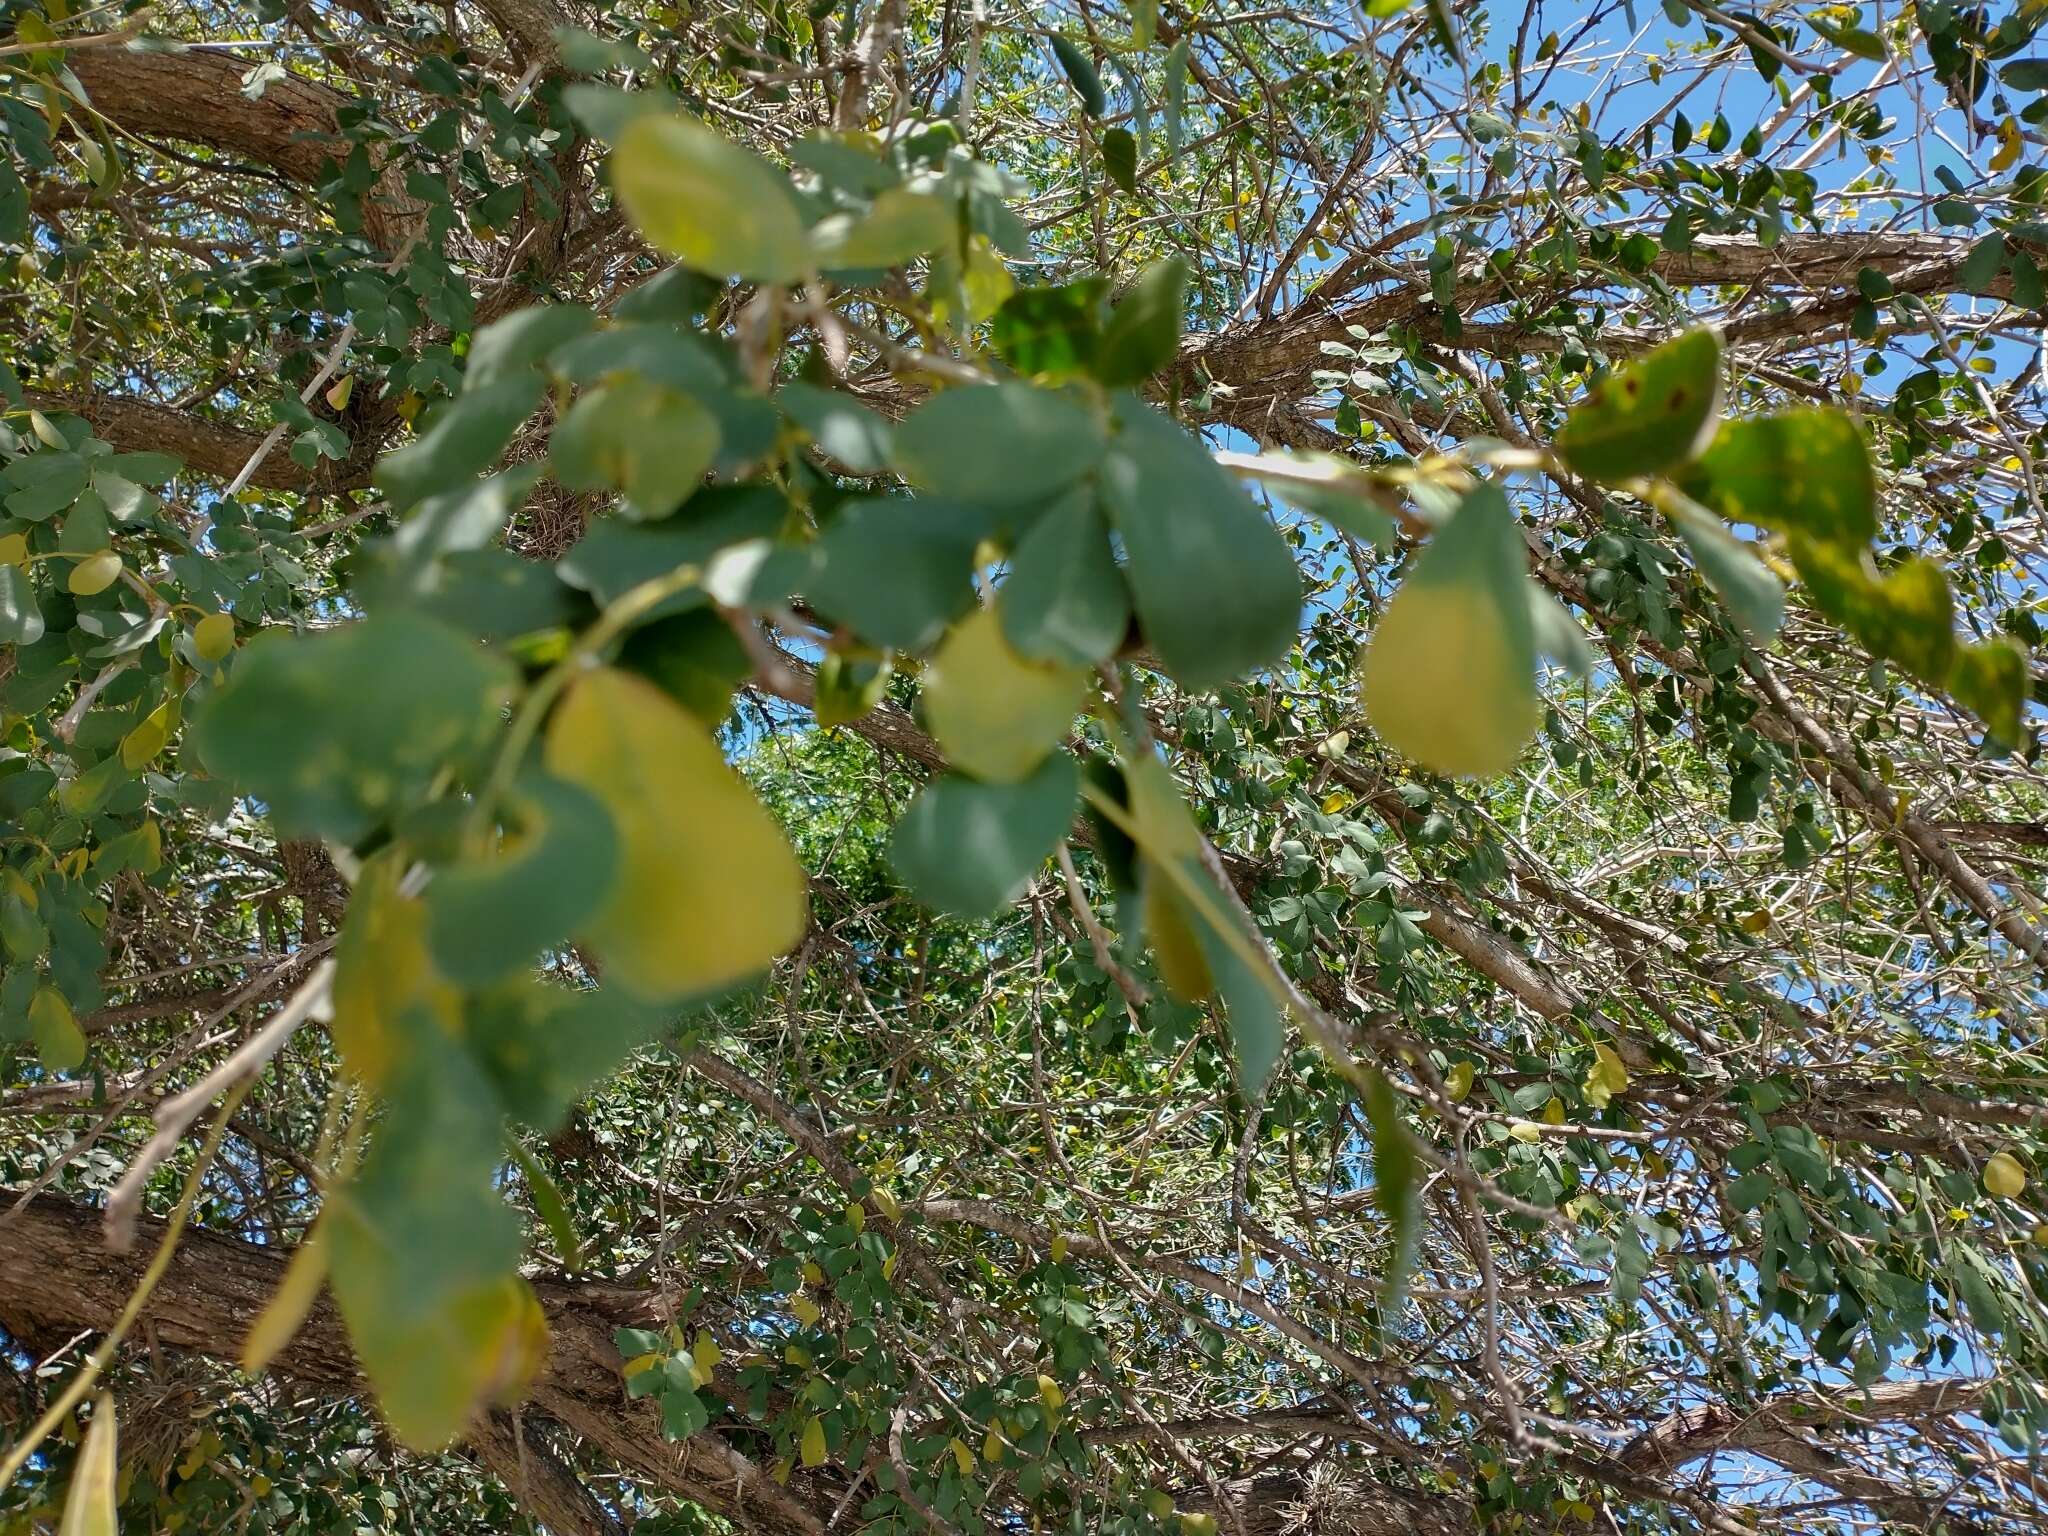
x=939 y=766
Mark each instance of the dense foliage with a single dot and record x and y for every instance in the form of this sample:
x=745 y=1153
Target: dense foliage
x=932 y=765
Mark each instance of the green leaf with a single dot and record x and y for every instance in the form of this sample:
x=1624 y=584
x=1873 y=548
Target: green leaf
x=901 y=226
x=1120 y=158
x=1195 y=957
x=898 y=570
x=1982 y=265
x=1990 y=678
x=1395 y=1174
x=1450 y=669
x=1906 y=615
x=1214 y=584
x=1051 y=330
x=1143 y=333
x=846 y=687
x=1803 y=471
x=1173 y=109
x=491 y=915
x=708 y=891
x=997 y=715
x=21 y=620
x=144 y=468
x=694 y=657
x=1081 y=75
x=1065 y=599
x=845 y=431
x=1650 y=415
x=423 y=1254
x=377 y=711
x=653 y=443
x=615 y=556
x=545 y=1046
x=1752 y=592
x=522 y=340
x=998 y=443
x=707 y=202
x=970 y=848
x=465 y=439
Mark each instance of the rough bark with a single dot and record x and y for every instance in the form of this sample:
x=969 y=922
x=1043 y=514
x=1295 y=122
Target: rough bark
x=210 y=447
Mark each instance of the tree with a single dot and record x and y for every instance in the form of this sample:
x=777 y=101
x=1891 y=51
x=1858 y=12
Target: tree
x=923 y=765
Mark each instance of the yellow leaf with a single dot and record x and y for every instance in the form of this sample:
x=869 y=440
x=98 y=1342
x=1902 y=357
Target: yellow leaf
x=992 y=1447
x=889 y=1270
x=806 y=1310
x=640 y=1365
x=142 y=744
x=59 y=1041
x=289 y=1304
x=1526 y=1130
x=95 y=573
x=781 y=1470
x=1176 y=949
x=812 y=1274
x=1059 y=1249
x=708 y=890
x=2008 y=152
x=46 y=431
x=1458 y=1081
x=813 y=1448
x=13 y=549
x=340 y=390
x=89 y=1507
x=856 y=1216
x=1754 y=922
x=1608 y=1077
x=997 y=715
x=1553 y=1112
x=1049 y=1393
x=963 y=1458
x=214 y=636
x=2003 y=1176
x=1442 y=686
x=706 y=1354
x=384 y=981
x=890 y=1207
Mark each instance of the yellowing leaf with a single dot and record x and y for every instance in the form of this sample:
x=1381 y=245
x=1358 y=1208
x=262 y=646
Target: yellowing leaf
x=385 y=986
x=813 y=1447
x=708 y=202
x=806 y=1310
x=812 y=1274
x=289 y=1304
x=1176 y=948
x=1526 y=1130
x=1049 y=1393
x=885 y=1202
x=992 y=1447
x=1553 y=1112
x=46 y=431
x=59 y=1041
x=13 y=549
x=708 y=890
x=89 y=1508
x=95 y=573
x=340 y=391
x=142 y=744
x=997 y=715
x=2003 y=1176
x=1060 y=1246
x=1758 y=921
x=963 y=1458
x=1607 y=1080
x=1450 y=670
x=1458 y=1082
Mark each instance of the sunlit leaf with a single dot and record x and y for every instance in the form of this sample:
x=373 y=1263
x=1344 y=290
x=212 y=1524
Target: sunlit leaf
x=708 y=202
x=996 y=714
x=1450 y=669
x=1649 y=415
x=92 y=1506
x=708 y=891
